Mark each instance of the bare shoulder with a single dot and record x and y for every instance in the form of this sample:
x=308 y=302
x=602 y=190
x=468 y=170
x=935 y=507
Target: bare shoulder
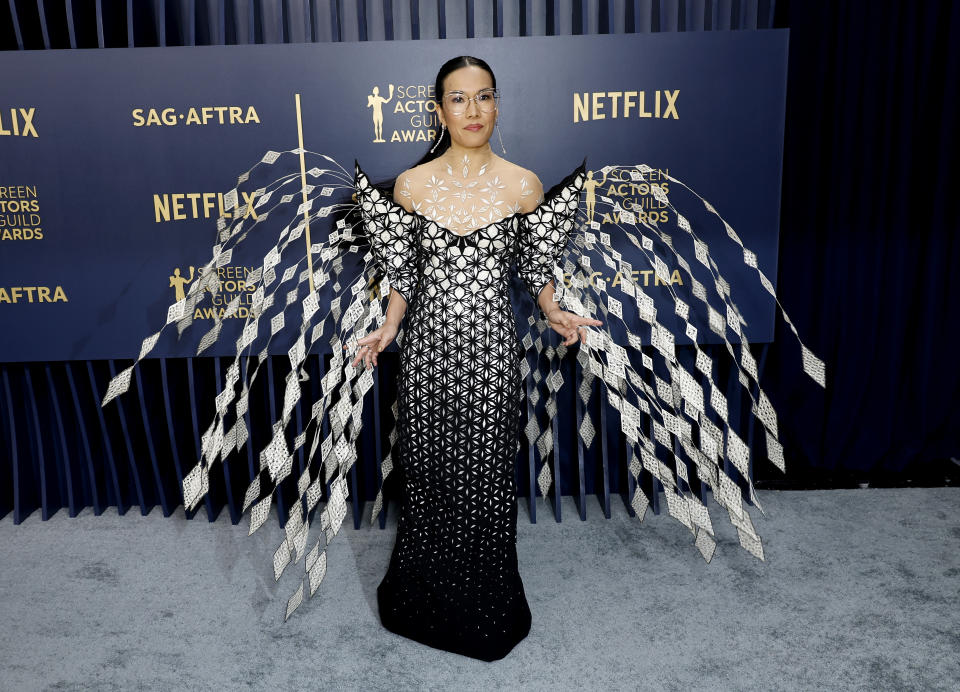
x=529 y=189
x=410 y=184
x=403 y=188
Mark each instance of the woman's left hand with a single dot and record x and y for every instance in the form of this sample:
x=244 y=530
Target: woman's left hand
x=569 y=325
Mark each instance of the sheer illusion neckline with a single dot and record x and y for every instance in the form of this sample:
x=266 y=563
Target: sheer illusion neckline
x=548 y=196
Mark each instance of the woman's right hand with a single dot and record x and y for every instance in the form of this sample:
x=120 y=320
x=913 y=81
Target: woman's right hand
x=373 y=343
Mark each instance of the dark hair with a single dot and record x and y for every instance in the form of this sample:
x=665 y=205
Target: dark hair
x=449 y=66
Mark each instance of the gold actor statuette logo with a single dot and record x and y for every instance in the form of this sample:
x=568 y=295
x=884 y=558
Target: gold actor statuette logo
x=590 y=185
x=376 y=101
x=177 y=283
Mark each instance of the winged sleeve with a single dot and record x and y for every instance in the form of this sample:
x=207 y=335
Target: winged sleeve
x=391 y=231
x=544 y=232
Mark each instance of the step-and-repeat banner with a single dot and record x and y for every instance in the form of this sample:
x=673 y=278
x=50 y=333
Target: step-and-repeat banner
x=114 y=163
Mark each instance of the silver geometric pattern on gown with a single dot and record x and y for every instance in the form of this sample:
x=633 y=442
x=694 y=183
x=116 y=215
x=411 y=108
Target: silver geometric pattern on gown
x=676 y=419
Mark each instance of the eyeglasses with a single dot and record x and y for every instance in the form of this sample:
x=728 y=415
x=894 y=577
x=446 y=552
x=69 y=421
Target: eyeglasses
x=456 y=102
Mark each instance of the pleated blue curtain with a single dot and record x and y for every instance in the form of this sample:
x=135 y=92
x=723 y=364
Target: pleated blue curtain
x=870 y=241
x=35 y=24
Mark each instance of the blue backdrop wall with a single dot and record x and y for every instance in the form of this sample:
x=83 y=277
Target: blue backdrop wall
x=110 y=201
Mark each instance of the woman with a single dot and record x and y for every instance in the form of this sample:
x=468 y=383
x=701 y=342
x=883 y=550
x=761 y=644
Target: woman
x=447 y=244
x=465 y=216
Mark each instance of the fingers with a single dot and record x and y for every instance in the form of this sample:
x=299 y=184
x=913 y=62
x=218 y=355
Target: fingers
x=370 y=354
x=570 y=333
x=367 y=350
x=569 y=320
x=578 y=333
x=570 y=326
x=586 y=321
x=366 y=353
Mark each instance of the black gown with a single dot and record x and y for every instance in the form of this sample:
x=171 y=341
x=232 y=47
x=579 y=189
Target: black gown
x=453 y=581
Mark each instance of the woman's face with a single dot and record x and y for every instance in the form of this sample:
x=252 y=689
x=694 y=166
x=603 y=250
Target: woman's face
x=473 y=127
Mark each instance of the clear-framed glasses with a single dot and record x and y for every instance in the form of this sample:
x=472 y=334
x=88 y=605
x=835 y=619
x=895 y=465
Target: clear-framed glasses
x=456 y=102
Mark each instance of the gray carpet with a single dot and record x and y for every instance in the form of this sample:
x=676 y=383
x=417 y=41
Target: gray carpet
x=859 y=591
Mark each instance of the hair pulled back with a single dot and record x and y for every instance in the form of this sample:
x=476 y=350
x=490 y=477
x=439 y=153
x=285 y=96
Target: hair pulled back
x=446 y=69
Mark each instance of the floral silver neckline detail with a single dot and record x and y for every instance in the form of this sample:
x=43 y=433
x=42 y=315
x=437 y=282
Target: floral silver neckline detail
x=463 y=202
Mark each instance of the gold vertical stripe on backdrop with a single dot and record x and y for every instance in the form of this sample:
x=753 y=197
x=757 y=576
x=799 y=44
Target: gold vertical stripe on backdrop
x=303 y=189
